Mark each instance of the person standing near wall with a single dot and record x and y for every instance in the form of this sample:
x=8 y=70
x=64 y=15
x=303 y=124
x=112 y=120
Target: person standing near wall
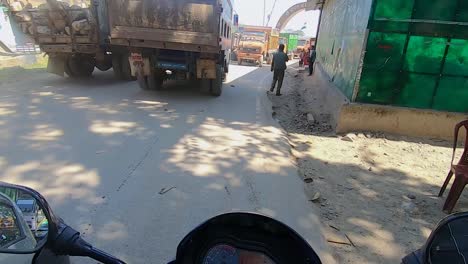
x=302 y=58
x=278 y=67
x=312 y=57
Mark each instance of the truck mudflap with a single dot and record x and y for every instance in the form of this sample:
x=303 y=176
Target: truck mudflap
x=138 y=63
x=56 y=65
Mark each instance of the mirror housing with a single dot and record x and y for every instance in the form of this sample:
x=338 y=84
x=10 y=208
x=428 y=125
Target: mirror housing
x=26 y=220
x=437 y=238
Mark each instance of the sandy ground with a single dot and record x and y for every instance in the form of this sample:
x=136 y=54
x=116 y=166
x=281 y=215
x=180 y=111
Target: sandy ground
x=376 y=193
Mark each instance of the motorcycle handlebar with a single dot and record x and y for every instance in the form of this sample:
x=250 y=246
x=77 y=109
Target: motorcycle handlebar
x=103 y=257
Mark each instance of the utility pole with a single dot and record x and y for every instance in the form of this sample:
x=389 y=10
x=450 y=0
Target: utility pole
x=264 y=11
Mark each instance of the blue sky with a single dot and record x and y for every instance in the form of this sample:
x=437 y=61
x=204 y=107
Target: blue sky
x=251 y=13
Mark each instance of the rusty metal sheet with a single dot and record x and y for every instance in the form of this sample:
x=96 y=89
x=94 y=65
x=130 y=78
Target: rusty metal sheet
x=182 y=15
x=166 y=45
x=197 y=38
x=68 y=48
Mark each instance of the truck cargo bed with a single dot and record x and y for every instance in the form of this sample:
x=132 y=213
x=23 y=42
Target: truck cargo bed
x=186 y=22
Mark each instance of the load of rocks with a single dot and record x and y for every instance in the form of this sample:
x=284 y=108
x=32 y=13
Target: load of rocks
x=55 y=18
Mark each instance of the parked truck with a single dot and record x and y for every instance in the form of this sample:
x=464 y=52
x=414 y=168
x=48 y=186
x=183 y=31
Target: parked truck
x=273 y=45
x=70 y=32
x=173 y=39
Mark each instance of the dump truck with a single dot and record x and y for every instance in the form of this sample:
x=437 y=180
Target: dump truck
x=273 y=45
x=173 y=39
x=253 y=44
x=71 y=34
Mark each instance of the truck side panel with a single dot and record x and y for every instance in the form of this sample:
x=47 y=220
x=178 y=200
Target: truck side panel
x=183 y=15
x=177 y=21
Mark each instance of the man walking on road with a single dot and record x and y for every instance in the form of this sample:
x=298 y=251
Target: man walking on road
x=278 y=67
x=312 y=56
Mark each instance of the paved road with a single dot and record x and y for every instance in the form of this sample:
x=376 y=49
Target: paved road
x=136 y=170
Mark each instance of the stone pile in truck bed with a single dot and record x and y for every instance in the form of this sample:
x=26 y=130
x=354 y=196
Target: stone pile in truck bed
x=54 y=17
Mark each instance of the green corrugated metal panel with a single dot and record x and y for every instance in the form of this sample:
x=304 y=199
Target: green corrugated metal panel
x=417 y=91
x=393 y=9
x=452 y=94
x=457 y=58
x=425 y=54
x=418 y=16
x=341 y=39
x=462 y=15
x=384 y=51
x=377 y=87
x=416 y=55
x=435 y=9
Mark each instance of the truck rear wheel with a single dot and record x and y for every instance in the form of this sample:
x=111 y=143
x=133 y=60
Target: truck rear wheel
x=122 y=69
x=239 y=61
x=142 y=79
x=126 y=69
x=155 y=82
x=216 y=85
x=80 y=66
x=117 y=66
x=151 y=82
x=68 y=70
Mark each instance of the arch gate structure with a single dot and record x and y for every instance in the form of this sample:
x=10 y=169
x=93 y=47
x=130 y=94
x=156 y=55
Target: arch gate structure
x=296 y=9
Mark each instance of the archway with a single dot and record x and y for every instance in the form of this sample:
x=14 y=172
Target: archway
x=296 y=9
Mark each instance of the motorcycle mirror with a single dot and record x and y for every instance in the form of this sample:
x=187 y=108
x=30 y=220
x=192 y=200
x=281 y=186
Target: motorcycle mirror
x=24 y=220
x=448 y=243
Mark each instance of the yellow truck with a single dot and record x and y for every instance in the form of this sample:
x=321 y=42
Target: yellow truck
x=256 y=44
x=273 y=44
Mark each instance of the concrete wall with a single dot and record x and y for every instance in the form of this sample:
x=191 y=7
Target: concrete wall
x=341 y=40
x=397 y=120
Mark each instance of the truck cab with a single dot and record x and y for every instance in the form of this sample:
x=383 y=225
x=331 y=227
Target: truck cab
x=252 y=48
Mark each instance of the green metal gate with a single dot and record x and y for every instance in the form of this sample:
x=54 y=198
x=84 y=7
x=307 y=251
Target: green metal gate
x=417 y=55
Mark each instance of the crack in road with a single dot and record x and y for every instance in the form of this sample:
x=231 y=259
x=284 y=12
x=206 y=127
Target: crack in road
x=133 y=168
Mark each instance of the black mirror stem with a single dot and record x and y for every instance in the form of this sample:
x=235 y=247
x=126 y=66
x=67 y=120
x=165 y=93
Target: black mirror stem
x=69 y=242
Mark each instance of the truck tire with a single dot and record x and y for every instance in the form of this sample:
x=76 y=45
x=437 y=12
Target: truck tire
x=68 y=71
x=126 y=69
x=239 y=61
x=142 y=80
x=155 y=82
x=158 y=81
x=152 y=82
x=216 y=85
x=117 y=66
x=122 y=68
x=80 y=66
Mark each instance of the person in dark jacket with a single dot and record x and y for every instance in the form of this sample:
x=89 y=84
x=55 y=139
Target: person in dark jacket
x=312 y=57
x=278 y=67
